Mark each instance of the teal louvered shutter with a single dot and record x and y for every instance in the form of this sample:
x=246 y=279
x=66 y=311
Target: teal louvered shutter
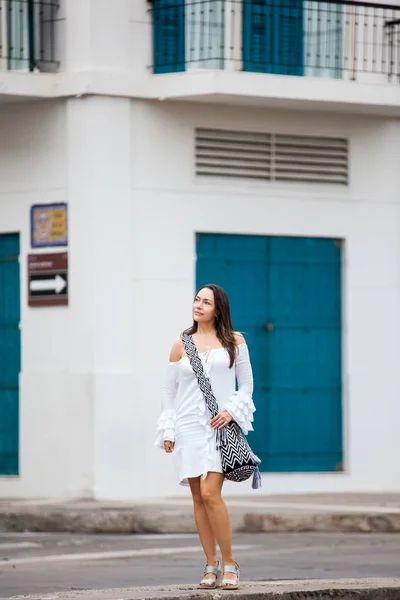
x=289 y=45
x=256 y=17
x=10 y=352
x=273 y=36
x=169 y=36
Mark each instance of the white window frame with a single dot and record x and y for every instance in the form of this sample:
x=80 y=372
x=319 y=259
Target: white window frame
x=233 y=35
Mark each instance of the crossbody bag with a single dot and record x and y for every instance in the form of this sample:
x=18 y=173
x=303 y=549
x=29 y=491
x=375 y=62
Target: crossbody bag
x=237 y=458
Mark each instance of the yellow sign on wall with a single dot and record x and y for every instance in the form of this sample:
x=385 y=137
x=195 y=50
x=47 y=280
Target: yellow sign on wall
x=49 y=225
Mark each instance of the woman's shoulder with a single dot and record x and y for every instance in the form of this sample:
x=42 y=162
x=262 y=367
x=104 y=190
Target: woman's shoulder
x=239 y=339
x=176 y=351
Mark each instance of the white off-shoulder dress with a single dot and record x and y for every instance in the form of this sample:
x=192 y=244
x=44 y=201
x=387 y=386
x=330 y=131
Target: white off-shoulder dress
x=185 y=418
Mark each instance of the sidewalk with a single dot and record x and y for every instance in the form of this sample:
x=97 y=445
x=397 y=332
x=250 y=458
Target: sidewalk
x=347 y=589
x=312 y=512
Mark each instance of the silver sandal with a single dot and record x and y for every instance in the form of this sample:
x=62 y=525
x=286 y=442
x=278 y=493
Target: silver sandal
x=228 y=584
x=209 y=584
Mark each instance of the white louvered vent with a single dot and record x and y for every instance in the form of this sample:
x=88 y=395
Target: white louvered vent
x=272 y=157
x=310 y=159
x=233 y=153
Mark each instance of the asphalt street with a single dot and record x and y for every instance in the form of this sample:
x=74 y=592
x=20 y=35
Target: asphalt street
x=43 y=563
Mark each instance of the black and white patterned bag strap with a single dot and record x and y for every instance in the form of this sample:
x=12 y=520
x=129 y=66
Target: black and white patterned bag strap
x=205 y=386
x=197 y=366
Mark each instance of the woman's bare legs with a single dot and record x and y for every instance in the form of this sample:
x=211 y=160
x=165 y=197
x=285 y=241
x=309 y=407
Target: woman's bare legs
x=207 y=537
x=218 y=517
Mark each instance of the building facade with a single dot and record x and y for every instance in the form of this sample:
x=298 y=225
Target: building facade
x=250 y=143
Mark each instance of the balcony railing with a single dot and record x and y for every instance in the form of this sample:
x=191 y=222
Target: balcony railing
x=343 y=40
x=27 y=35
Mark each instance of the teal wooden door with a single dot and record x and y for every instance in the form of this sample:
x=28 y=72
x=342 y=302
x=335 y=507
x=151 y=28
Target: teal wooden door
x=304 y=350
x=10 y=353
x=285 y=295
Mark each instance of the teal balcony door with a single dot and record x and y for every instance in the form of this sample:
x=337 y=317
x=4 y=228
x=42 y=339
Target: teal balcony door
x=169 y=36
x=293 y=37
x=273 y=38
x=188 y=34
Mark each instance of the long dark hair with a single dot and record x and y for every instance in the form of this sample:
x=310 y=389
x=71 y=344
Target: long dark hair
x=223 y=321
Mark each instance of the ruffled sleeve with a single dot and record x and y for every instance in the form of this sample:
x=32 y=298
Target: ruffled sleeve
x=166 y=421
x=241 y=405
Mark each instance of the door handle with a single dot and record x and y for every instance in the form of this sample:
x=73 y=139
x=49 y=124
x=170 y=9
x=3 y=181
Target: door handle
x=268 y=327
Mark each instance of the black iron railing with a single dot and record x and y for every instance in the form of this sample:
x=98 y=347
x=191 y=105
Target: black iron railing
x=345 y=40
x=27 y=35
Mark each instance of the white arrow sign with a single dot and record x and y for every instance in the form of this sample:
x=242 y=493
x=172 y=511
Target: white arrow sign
x=45 y=285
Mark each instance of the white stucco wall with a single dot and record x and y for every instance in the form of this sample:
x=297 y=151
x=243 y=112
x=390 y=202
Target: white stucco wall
x=55 y=404
x=92 y=372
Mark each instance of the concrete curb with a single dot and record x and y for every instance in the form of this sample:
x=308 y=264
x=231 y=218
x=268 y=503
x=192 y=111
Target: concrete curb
x=339 y=522
x=157 y=519
x=98 y=520
x=364 y=589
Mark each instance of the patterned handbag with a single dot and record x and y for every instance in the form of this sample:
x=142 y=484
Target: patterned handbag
x=238 y=460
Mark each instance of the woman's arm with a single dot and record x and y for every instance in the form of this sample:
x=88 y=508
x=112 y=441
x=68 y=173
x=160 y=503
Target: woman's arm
x=241 y=405
x=166 y=422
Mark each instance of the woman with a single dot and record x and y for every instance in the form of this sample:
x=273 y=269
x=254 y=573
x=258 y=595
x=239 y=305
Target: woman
x=186 y=429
